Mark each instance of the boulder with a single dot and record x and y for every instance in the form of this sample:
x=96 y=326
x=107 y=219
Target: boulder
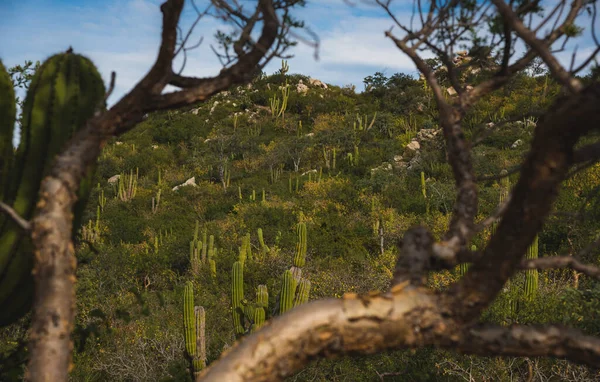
x=319 y=83
x=190 y=182
x=114 y=179
x=414 y=145
x=301 y=88
x=518 y=143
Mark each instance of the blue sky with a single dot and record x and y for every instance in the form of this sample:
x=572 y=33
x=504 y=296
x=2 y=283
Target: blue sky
x=123 y=35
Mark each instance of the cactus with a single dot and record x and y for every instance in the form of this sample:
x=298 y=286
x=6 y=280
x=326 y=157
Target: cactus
x=213 y=268
x=424 y=192
x=128 y=186
x=194 y=323
x=195 y=247
x=504 y=193
x=531 y=275
x=240 y=193
x=258 y=319
x=155 y=202
x=303 y=292
x=288 y=291
x=262 y=296
x=264 y=199
x=101 y=199
x=237 y=295
x=300 y=258
x=64 y=93
x=464 y=267
x=264 y=249
x=204 y=246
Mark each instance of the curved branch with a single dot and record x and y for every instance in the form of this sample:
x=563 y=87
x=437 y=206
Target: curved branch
x=14 y=215
x=533 y=341
x=552 y=262
x=326 y=328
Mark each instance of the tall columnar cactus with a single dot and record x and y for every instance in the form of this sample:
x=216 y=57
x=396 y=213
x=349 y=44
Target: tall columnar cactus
x=195 y=248
x=531 y=275
x=303 y=292
x=213 y=268
x=262 y=296
x=204 y=246
x=464 y=267
x=237 y=296
x=194 y=323
x=264 y=249
x=156 y=202
x=128 y=186
x=101 y=199
x=504 y=193
x=424 y=192
x=259 y=319
x=288 y=292
x=300 y=258
x=64 y=93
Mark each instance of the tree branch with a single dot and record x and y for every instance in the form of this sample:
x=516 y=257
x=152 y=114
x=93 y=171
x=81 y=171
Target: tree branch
x=11 y=213
x=540 y=46
x=552 y=262
x=532 y=341
x=545 y=168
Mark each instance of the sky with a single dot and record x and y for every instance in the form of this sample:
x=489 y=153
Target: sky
x=124 y=36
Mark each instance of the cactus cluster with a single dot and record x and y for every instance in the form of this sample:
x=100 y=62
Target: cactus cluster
x=128 y=186
x=202 y=252
x=64 y=93
x=194 y=323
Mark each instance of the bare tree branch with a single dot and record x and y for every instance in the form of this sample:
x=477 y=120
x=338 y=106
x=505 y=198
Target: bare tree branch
x=509 y=17
x=551 y=262
x=11 y=213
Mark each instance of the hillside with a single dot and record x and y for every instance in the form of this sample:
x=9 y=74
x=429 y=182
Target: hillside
x=288 y=151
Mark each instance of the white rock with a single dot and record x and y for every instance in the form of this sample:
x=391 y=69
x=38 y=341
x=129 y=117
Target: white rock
x=315 y=82
x=301 y=88
x=518 y=143
x=414 y=145
x=114 y=179
x=190 y=182
x=118 y=143
x=195 y=111
x=214 y=106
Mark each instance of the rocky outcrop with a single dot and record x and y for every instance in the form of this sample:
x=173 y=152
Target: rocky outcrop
x=318 y=83
x=301 y=88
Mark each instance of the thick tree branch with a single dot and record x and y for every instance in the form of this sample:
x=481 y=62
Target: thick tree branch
x=545 y=168
x=532 y=341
